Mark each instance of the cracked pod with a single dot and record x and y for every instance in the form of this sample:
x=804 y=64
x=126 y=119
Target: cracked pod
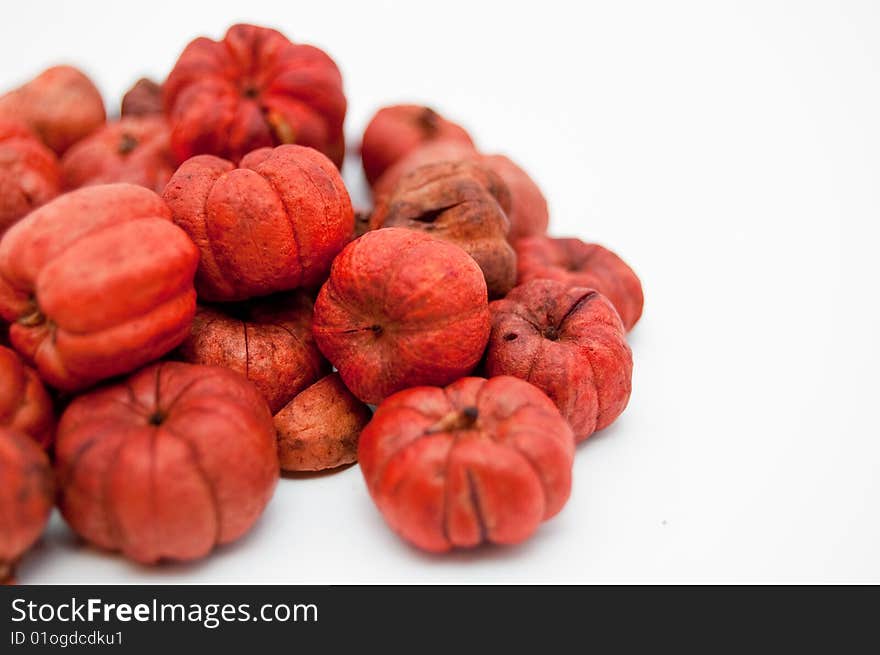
x=167 y=464
x=583 y=265
x=527 y=208
x=61 y=105
x=251 y=90
x=27 y=496
x=397 y=130
x=569 y=342
x=401 y=308
x=320 y=427
x=479 y=461
x=271 y=225
x=25 y=405
x=133 y=150
x=460 y=202
x=143 y=99
x=268 y=340
x=29 y=173
x=97 y=283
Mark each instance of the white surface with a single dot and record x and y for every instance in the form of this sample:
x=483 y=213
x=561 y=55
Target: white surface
x=729 y=150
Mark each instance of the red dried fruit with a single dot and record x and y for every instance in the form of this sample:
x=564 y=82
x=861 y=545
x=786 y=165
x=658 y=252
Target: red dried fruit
x=29 y=174
x=168 y=464
x=143 y=99
x=397 y=130
x=569 y=342
x=251 y=90
x=269 y=341
x=319 y=428
x=479 y=461
x=274 y=224
x=528 y=213
x=401 y=308
x=583 y=265
x=24 y=404
x=133 y=150
x=97 y=283
x=429 y=153
x=27 y=496
x=527 y=209
x=461 y=202
x=61 y=105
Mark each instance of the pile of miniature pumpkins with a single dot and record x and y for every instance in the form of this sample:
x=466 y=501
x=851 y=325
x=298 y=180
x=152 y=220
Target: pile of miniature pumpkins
x=189 y=305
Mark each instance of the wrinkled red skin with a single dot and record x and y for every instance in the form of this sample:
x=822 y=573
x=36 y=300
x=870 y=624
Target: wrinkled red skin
x=168 y=464
x=29 y=173
x=397 y=130
x=401 y=308
x=27 y=495
x=429 y=153
x=251 y=90
x=527 y=211
x=143 y=99
x=97 y=283
x=569 y=342
x=320 y=427
x=25 y=406
x=133 y=150
x=479 y=461
x=584 y=265
x=61 y=105
x=269 y=341
x=274 y=224
x=461 y=202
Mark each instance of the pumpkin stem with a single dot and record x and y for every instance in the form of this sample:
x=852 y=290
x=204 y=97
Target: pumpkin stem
x=34 y=317
x=463 y=419
x=429 y=121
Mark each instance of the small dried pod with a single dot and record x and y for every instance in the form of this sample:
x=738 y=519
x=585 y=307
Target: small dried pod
x=25 y=406
x=142 y=99
x=134 y=150
x=274 y=223
x=478 y=461
x=428 y=153
x=62 y=105
x=168 y=463
x=401 y=308
x=268 y=340
x=29 y=173
x=320 y=427
x=584 y=265
x=461 y=202
x=27 y=495
x=569 y=342
x=397 y=130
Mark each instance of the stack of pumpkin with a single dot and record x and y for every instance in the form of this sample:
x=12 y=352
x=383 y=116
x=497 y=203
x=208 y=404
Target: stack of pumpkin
x=191 y=285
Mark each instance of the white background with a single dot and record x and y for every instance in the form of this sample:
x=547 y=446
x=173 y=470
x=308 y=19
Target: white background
x=730 y=151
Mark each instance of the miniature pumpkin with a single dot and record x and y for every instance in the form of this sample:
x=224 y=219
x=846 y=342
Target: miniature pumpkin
x=271 y=225
x=61 y=105
x=479 y=461
x=96 y=283
x=251 y=90
x=584 y=265
x=168 y=464
x=319 y=428
x=401 y=308
x=268 y=340
x=133 y=150
x=461 y=202
x=397 y=130
x=569 y=342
